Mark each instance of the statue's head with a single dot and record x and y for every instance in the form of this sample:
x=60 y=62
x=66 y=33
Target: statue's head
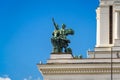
x=63 y=26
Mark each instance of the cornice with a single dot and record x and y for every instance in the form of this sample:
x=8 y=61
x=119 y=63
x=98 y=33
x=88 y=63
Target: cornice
x=79 y=71
x=51 y=69
x=79 y=61
x=77 y=65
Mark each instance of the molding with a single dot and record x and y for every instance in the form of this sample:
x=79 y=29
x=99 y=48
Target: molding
x=80 y=71
x=60 y=69
x=82 y=61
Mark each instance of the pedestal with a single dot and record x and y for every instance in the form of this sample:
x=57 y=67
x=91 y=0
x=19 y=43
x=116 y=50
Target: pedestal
x=61 y=56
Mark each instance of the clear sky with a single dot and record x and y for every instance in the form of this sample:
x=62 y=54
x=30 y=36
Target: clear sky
x=26 y=28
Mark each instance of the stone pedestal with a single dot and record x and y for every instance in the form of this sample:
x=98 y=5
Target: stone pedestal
x=61 y=56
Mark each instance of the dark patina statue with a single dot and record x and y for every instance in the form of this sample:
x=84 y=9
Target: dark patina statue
x=59 y=39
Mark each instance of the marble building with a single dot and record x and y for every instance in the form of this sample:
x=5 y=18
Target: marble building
x=101 y=64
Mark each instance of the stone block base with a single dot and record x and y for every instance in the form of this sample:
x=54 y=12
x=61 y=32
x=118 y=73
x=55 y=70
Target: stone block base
x=103 y=54
x=117 y=42
x=61 y=56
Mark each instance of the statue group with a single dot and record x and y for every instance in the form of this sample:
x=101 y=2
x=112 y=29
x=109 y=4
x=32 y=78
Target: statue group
x=59 y=39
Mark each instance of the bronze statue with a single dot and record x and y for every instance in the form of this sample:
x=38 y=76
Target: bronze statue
x=59 y=39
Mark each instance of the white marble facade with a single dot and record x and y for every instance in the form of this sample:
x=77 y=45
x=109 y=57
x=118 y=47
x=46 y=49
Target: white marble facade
x=80 y=69
x=108 y=29
x=103 y=23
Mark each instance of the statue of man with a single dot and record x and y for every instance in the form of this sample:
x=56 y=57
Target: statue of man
x=59 y=39
x=56 y=39
x=63 y=37
x=63 y=32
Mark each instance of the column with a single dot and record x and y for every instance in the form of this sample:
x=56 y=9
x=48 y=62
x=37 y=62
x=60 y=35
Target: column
x=98 y=27
x=117 y=25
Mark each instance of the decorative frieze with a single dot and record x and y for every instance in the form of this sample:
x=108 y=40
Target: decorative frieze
x=90 y=70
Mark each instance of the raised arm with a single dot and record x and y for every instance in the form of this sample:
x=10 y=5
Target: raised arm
x=56 y=25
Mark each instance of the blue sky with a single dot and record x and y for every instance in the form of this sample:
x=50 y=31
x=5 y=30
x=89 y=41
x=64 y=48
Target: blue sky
x=26 y=28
